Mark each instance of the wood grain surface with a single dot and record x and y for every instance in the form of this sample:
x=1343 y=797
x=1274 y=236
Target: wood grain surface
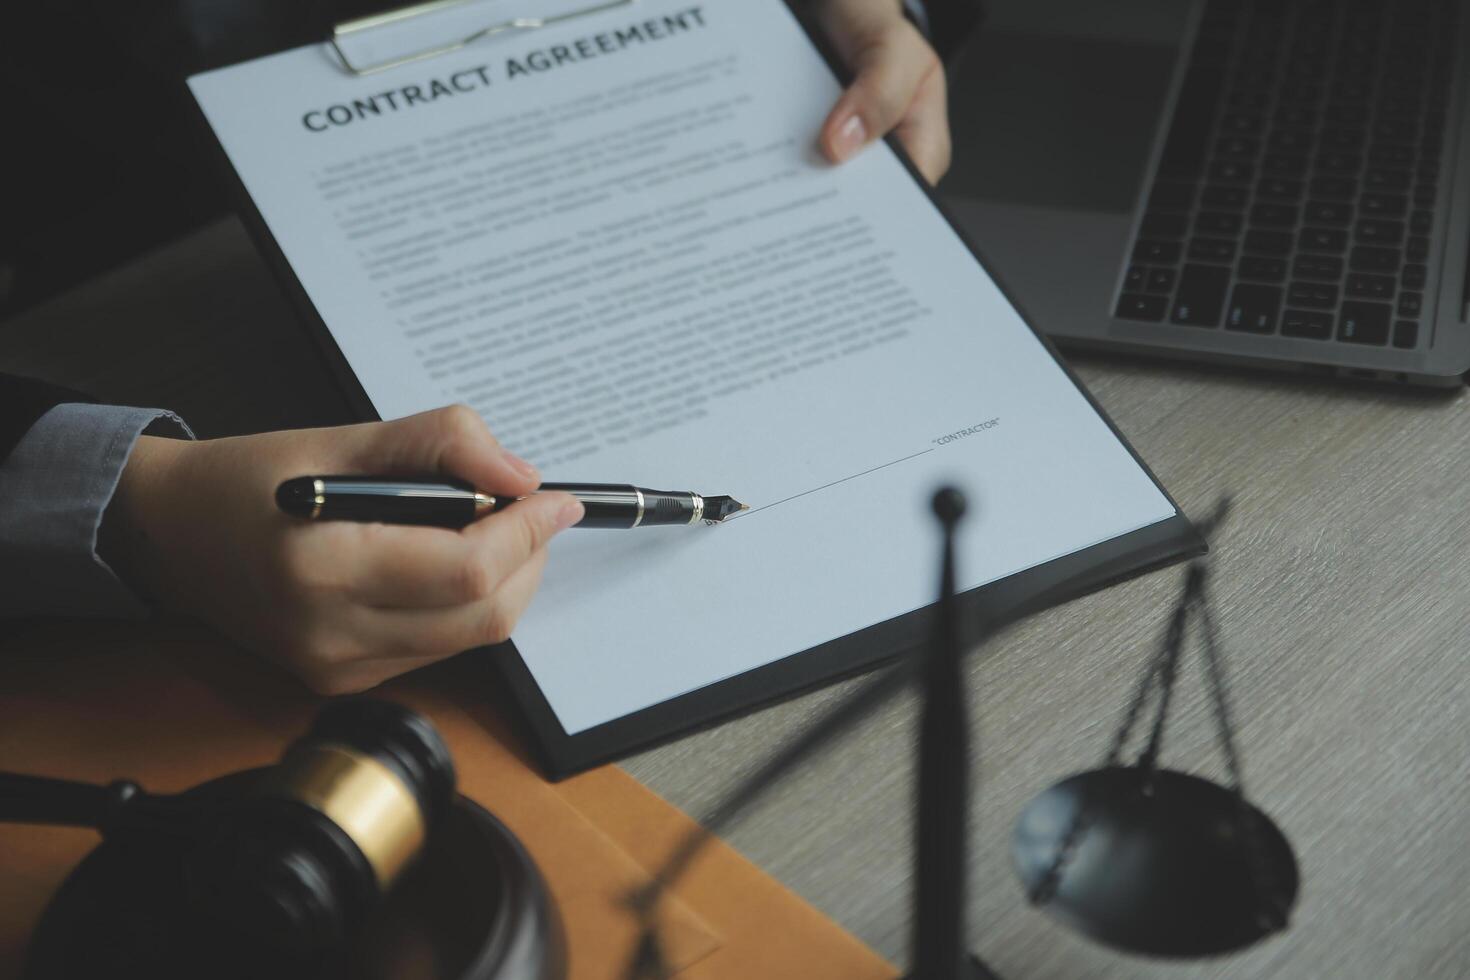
x=1341 y=584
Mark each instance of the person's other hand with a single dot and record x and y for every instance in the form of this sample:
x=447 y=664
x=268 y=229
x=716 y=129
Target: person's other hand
x=899 y=85
x=343 y=605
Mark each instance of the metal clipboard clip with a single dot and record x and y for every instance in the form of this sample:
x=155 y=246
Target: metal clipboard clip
x=391 y=17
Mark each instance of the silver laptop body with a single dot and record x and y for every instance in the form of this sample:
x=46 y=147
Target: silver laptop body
x=1066 y=177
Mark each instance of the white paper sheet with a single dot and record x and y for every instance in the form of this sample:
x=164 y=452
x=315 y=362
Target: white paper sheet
x=615 y=239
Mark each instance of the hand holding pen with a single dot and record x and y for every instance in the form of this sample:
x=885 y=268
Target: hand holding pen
x=454 y=504
x=194 y=530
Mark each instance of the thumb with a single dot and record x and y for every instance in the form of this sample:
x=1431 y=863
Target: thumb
x=453 y=442
x=891 y=67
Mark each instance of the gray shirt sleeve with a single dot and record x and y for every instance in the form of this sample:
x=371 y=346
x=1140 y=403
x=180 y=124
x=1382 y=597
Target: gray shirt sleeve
x=54 y=488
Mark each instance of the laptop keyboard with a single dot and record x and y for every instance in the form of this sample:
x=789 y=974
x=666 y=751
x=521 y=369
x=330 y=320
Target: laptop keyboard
x=1296 y=190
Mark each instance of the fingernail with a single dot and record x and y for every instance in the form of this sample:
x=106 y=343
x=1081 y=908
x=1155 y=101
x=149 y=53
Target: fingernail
x=851 y=136
x=520 y=465
x=571 y=512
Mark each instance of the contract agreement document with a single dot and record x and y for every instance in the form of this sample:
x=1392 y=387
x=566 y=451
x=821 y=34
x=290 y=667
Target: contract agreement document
x=614 y=238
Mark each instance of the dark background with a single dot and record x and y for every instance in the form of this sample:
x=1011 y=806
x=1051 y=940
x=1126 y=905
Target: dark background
x=103 y=158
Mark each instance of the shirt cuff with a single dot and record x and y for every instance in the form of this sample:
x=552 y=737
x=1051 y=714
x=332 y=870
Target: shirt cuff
x=54 y=488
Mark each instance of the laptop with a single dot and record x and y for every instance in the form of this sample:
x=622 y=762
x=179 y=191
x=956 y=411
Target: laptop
x=1274 y=183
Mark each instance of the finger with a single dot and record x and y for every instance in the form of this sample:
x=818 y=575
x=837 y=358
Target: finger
x=890 y=69
x=388 y=565
x=451 y=441
x=924 y=131
x=408 y=638
x=507 y=540
x=396 y=567
x=392 y=642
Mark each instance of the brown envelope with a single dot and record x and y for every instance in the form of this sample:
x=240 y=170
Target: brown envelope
x=172 y=706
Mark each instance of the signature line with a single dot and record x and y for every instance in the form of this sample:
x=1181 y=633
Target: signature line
x=828 y=486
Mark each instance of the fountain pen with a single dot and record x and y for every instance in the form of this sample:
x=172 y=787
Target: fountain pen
x=453 y=505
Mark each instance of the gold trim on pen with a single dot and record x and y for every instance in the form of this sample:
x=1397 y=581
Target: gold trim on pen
x=484 y=504
x=639 y=519
x=319 y=498
x=698 y=508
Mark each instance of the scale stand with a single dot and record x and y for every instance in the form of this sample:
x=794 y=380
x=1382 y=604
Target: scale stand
x=944 y=768
x=943 y=801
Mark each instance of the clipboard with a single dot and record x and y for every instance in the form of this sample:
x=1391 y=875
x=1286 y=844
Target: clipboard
x=562 y=753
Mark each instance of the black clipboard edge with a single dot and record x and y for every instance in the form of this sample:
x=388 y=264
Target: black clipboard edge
x=560 y=754
x=1017 y=596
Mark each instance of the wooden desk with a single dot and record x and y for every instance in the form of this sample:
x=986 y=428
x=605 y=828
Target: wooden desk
x=1342 y=581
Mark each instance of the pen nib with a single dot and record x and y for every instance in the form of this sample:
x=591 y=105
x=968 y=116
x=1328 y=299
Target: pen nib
x=716 y=509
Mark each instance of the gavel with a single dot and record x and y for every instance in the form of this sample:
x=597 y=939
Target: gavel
x=275 y=871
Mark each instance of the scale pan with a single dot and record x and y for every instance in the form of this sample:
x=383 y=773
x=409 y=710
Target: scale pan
x=1170 y=872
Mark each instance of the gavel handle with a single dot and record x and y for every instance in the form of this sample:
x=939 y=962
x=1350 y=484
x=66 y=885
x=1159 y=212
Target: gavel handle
x=39 y=799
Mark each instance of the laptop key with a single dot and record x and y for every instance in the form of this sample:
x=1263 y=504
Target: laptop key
x=1291 y=140
x=1386 y=179
x=1310 y=324
x=1163 y=253
x=1342 y=139
x=1418 y=249
x=1212 y=249
x=1415 y=276
x=1201 y=296
x=1312 y=294
x=1421 y=222
x=1364 y=323
x=1411 y=304
x=1134 y=278
x=1349 y=113
x=1322 y=240
x=1161 y=280
x=1216 y=223
x=1279 y=189
x=1329 y=212
x=1336 y=188
x=1138 y=306
x=1368 y=258
x=1241 y=147
x=1274 y=215
x=1321 y=267
x=1405 y=334
x=1256 y=267
x=1391 y=154
x=1253 y=308
x=1393 y=108
x=1296 y=114
x=1241 y=123
x=1367 y=286
x=1248 y=100
x=1339 y=163
x=1286 y=164
x=1384 y=205
x=1231 y=171
x=1375 y=231
x=1396 y=131
x=1221 y=196
x=1269 y=242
